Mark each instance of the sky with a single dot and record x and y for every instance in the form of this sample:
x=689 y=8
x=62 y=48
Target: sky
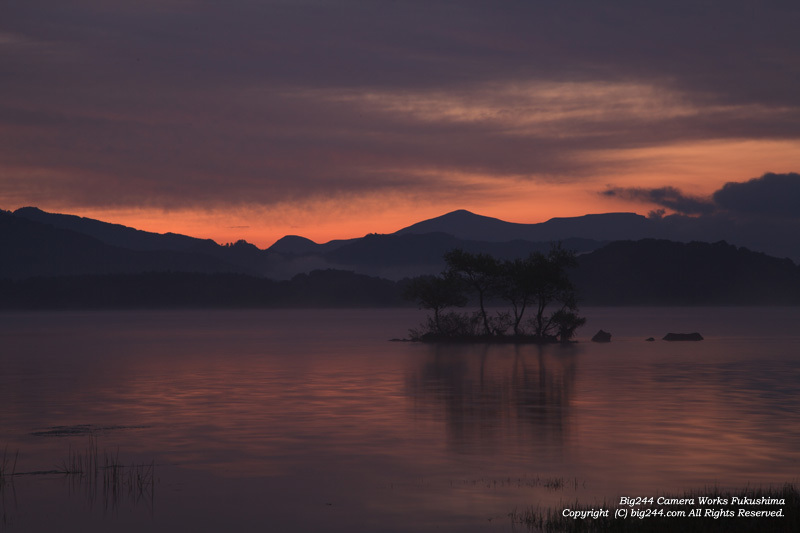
x=254 y=119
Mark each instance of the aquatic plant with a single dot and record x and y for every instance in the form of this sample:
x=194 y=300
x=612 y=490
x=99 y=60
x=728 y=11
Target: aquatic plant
x=107 y=475
x=8 y=468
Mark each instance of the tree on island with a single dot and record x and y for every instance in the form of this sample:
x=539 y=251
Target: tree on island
x=437 y=293
x=539 y=282
x=551 y=285
x=480 y=273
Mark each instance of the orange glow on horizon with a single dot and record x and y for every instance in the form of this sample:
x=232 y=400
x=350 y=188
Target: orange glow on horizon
x=254 y=227
x=260 y=226
x=698 y=169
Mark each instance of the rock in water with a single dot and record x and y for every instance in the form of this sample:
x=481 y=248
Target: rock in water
x=683 y=337
x=602 y=336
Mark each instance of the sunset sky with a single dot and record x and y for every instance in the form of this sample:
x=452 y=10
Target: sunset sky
x=253 y=119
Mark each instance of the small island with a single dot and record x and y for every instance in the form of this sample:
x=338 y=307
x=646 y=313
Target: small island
x=539 y=283
x=682 y=337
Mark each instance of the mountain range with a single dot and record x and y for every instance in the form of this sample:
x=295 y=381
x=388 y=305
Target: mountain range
x=623 y=259
x=411 y=251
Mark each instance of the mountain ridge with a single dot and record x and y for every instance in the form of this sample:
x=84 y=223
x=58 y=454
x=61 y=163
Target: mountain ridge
x=117 y=234
x=597 y=226
x=645 y=272
x=32 y=248
x=410 y=251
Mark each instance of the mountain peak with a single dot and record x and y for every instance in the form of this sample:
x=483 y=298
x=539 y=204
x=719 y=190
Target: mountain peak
x=459 y=212
x=115 y=234
x=464 y=224
x=27 y=209
x=462 y=214
x=293 y=244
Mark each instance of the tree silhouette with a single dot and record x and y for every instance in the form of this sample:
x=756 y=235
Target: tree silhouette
x=540 y=281
x=552 y=285
x=437 y=293
x=566 y=321
x=479 y=272
x=518 y=285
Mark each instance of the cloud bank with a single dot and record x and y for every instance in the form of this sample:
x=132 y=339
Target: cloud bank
x=769 y=196
x=668 y=197
x=773 y=195
x=188 y=103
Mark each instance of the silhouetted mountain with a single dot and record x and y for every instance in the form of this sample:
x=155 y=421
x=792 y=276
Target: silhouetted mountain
x=240 y=257
x=393 y=256
x=606 y=227
x=117 y=234
x=397 y=256
x=463 y=224
x=774 y=236
x=469 y=226
x=660 y=272
x=338 y=288
x=294 y=245
x=646 y=272
x=31 y=248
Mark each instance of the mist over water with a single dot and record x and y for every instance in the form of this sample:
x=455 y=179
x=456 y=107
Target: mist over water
x=311 y=420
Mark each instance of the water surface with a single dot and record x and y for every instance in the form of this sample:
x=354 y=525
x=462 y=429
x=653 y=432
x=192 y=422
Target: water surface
x=311 y=420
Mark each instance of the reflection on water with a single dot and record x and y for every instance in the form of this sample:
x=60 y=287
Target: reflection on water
x=493 y=395
x=311 y=420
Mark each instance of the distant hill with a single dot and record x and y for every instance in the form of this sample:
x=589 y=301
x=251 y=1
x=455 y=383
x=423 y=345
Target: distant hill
x=31 y=248
x=645 y=272
x=463 y=224
x=469 y=226
x=117 y=234
x=238 y=257
x=660 y=272
x=775 y=237
x=35 y=243
x=295 y=245
x=406 y=255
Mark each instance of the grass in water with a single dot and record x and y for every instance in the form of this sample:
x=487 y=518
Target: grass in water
x=104 y=474
x=100 y=475
x=8 y=470
x=7 y=467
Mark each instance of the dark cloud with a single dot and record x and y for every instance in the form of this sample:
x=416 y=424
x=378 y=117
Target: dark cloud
x=182 y=102
x=770 y=196
x=668 y=197
x=742 y=52
x=773 y=195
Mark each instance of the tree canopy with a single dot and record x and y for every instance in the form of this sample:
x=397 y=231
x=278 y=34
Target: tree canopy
x=539 y=283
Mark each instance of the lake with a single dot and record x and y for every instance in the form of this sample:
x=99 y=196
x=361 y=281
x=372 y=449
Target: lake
x=311 y=420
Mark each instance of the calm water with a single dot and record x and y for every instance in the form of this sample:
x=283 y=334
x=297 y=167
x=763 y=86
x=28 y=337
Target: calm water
x=312 y=421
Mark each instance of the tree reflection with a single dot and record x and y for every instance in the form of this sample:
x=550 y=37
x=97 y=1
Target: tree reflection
x=496 y=397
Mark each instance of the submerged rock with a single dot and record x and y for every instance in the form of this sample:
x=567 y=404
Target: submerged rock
x=683 y=337
x=650 y=339
x=602 y=336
